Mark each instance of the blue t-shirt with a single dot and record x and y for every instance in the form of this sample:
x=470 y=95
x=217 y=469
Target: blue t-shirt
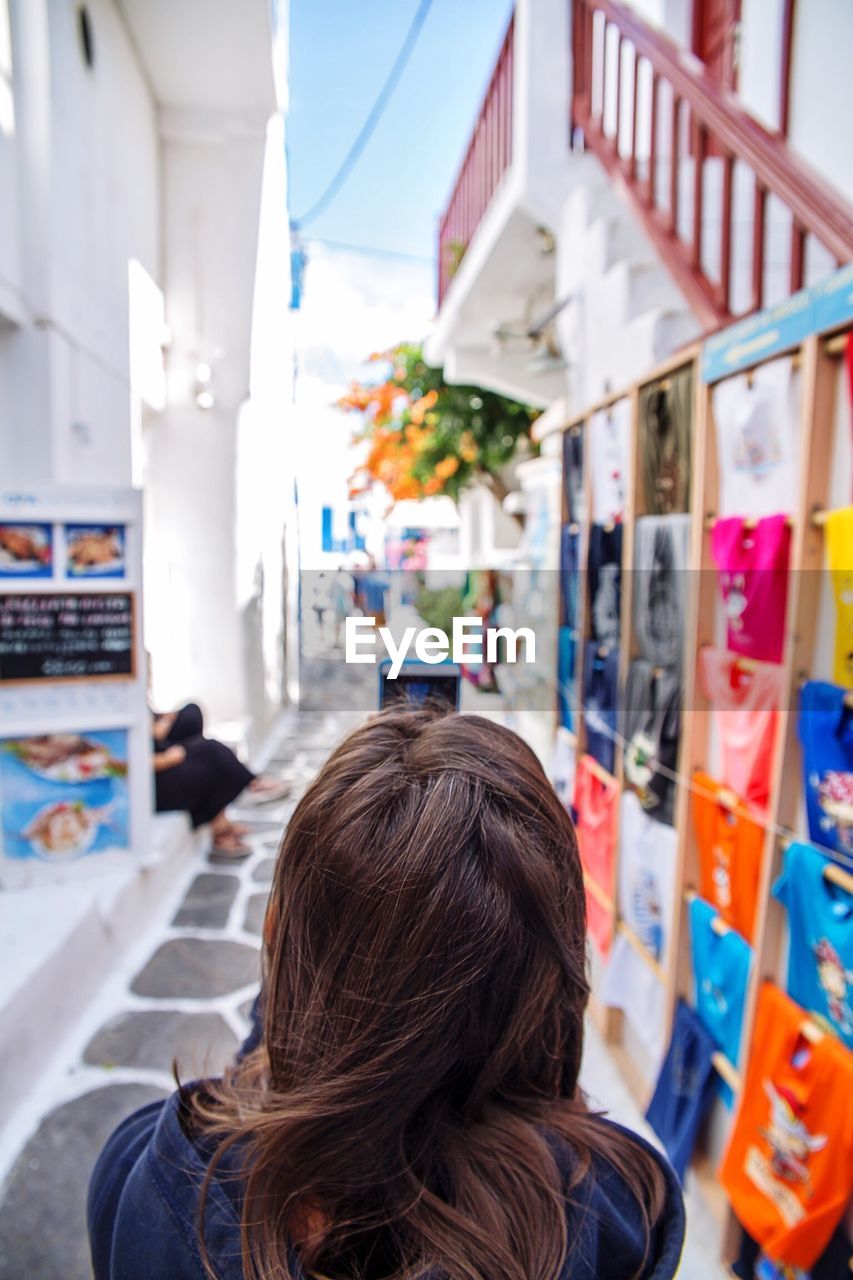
x=826 y=735
x=569 y=574
x=566 y=677
x=820 y=948
x=721 y=973
x=685 y=1088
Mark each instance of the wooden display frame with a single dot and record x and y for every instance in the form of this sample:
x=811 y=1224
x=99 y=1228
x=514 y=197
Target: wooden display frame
x=818 y=358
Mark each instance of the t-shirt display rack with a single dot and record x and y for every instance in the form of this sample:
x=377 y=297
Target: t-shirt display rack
x=823 y=414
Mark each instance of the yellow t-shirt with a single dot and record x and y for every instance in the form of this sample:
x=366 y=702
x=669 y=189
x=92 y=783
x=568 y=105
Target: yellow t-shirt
x=839 y=554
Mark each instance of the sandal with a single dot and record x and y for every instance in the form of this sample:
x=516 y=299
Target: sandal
x=270 y=790
x=229 y=848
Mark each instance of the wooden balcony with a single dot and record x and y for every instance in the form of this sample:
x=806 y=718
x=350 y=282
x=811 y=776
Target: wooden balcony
x=727 y=204
x=486 y=160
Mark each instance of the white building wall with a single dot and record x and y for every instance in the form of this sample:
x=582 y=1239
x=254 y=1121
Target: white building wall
x=820 y=89
x=102 y=178
x=80 y=164
x=212 y=192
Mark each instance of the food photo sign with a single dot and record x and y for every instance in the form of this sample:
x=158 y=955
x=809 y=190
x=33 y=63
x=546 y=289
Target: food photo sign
x=64 y=795
x=75 y=763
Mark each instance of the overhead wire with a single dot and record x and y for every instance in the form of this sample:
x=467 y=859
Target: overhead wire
x=373 y=117
x=370 y=251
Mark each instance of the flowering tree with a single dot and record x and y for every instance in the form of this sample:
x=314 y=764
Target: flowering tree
x=426 y=437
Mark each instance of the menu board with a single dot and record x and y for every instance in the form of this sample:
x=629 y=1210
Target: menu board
x=67 y=636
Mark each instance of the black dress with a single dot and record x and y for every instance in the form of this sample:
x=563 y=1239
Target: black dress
x=208 y=779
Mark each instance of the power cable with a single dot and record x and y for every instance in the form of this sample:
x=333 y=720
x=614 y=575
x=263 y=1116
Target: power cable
x=373 y=118
x=370 y=251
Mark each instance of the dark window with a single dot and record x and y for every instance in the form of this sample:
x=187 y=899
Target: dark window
x=87 y=36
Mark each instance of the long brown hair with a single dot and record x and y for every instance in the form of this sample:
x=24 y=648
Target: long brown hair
x=425 y=985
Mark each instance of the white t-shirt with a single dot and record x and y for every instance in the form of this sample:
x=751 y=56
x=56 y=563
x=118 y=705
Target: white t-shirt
x=609 y=434
x=647 y=854
x=758 y=440
x=563 y=764
x=630 y=985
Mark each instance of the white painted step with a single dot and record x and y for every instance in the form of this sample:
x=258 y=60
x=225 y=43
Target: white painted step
x=58 y=942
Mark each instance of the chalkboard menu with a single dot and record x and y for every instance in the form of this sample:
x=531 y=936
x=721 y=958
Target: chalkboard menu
x=67 y=636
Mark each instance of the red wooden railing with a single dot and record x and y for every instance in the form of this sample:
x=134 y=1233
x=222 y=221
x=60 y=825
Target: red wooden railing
x=488 y=157
x=646 y=107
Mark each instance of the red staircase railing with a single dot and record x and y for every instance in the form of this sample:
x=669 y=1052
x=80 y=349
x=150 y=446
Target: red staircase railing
x=488 y=157
x=633 y=88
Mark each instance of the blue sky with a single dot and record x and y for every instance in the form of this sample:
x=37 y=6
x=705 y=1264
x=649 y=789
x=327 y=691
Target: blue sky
x=340 y=53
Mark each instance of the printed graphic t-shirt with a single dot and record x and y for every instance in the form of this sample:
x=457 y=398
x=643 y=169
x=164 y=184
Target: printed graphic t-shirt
x=604 y=573
x=685 y=1088
x=752 y=564
x=756 y=419
x=650 y=726
x=826 y=734
x=720 y=972
x=666 y=413
x=609 y=432
x=788 y=1169
x=661 y=550
x=731 y=849
x=647 y=854
x=839 y=555
x=746 y=705
x=820 y=946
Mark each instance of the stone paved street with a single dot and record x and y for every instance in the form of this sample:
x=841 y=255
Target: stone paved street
x=184 y=999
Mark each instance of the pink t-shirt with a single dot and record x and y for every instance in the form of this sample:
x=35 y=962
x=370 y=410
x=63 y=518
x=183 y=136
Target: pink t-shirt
x=753 y=571
x=746 y=703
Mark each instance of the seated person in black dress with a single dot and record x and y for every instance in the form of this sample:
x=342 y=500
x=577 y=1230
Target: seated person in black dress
x=201 y=777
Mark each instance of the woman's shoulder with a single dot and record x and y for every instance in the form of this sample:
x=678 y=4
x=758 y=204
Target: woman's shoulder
x=606 y=1225
x=144 y=1198
x=145 y=1193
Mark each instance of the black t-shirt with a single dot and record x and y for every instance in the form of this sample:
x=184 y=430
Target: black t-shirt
x=604 y=570
x=666 y=415
x=651 y=724
x=573 y=475
x=661 y=557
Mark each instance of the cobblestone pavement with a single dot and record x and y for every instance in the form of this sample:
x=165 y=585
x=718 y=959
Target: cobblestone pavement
x=183 y=998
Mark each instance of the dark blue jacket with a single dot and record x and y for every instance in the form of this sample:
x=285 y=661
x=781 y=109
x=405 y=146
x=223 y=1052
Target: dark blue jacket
x=144 y=1202
x=144 y=1197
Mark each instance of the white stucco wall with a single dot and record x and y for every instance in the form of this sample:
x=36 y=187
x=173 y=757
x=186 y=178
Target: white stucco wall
x=820 y=92
x=100 y=169
x=79 y=173
x=211 y=208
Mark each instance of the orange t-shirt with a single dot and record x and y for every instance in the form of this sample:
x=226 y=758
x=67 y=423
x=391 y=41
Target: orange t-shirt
x=731 y=848
x=596 y=803
x=788 y=1169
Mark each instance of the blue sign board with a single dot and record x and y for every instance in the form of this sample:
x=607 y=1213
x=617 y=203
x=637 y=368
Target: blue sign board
x=768 y=333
